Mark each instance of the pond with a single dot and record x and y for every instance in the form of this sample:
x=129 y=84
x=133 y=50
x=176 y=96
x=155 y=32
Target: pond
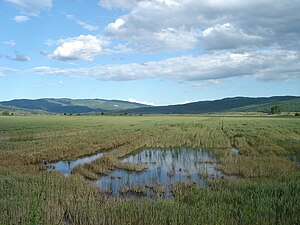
x=164 y=169
x=66 y=167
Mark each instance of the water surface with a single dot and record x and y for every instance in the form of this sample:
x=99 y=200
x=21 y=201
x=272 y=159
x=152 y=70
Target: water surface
x=235 y=151
x=66 y=167
x=164 y=168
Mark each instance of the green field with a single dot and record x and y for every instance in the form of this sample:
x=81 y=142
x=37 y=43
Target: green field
x=267 y=191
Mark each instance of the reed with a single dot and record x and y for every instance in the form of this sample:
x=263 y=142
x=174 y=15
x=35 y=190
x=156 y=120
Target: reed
x=267 y=191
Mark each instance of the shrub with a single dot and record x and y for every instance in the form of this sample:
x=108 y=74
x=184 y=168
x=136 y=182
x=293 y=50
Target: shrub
x=6 y=113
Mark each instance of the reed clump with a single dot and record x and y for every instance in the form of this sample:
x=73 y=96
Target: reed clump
x=103 y=165
x=257 y=167
x=130 y=166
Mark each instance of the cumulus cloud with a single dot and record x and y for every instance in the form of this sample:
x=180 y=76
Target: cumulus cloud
x=167 y=39
x=31 y=7
x=21 y=19
x=160 y=40
x=209 y=24
x=83 y=47
x=272 y=64
x=19 y=57
x=226 y=36
x=115 y=26
x=84 y=25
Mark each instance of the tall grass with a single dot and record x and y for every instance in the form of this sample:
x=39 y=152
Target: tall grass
x=266 y=193
x=71 y=201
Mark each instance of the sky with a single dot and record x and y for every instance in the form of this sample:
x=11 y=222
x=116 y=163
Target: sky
x=156 y=52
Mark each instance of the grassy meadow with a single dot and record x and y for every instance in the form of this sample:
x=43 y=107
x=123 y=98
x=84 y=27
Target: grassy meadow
x=266 y=192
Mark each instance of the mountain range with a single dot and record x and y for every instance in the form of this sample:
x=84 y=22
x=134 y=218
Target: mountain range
x=90 y=106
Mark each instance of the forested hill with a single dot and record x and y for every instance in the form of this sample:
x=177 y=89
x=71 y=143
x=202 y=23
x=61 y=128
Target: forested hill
x=87 y=106
x=66 y=105
x=236 y=104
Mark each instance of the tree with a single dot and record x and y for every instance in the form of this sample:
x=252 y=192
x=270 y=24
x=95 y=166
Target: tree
x=275 y=110
x=5 y=113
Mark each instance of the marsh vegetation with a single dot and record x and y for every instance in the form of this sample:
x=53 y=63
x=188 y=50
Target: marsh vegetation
x=266 y=192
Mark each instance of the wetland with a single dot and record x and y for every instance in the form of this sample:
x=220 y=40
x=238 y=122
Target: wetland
x=149 y=170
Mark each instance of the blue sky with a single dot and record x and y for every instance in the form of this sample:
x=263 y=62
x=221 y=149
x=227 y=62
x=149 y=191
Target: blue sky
x=152 y=51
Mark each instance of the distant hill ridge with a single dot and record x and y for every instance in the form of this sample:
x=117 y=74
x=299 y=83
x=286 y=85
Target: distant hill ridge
x=236 y=104
x=66 y=105
x=84 y=106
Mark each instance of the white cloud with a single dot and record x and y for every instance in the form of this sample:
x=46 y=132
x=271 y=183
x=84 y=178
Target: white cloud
x=83 y=47
x=226 y=36
x=128 y=4
x=140 y=102
x=10 y=43
x=109 y=4
x=161 y=40
x=21 y=19
x=119 y=48
x=113 y=27
x=184 y=102
x=214 y=81
x=169 y=2
x=4 y=71
x=31 y=7
x=212 y=24
x=272 y=64
x=165 y=39
x=168 y=39
x=84 y=25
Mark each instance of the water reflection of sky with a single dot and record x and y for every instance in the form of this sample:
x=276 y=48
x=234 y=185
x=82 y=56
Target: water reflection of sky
x=164 y=167
x=235 y=151
x=66 y=167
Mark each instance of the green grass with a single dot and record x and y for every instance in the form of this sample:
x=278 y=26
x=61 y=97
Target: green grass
x=266 y=193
